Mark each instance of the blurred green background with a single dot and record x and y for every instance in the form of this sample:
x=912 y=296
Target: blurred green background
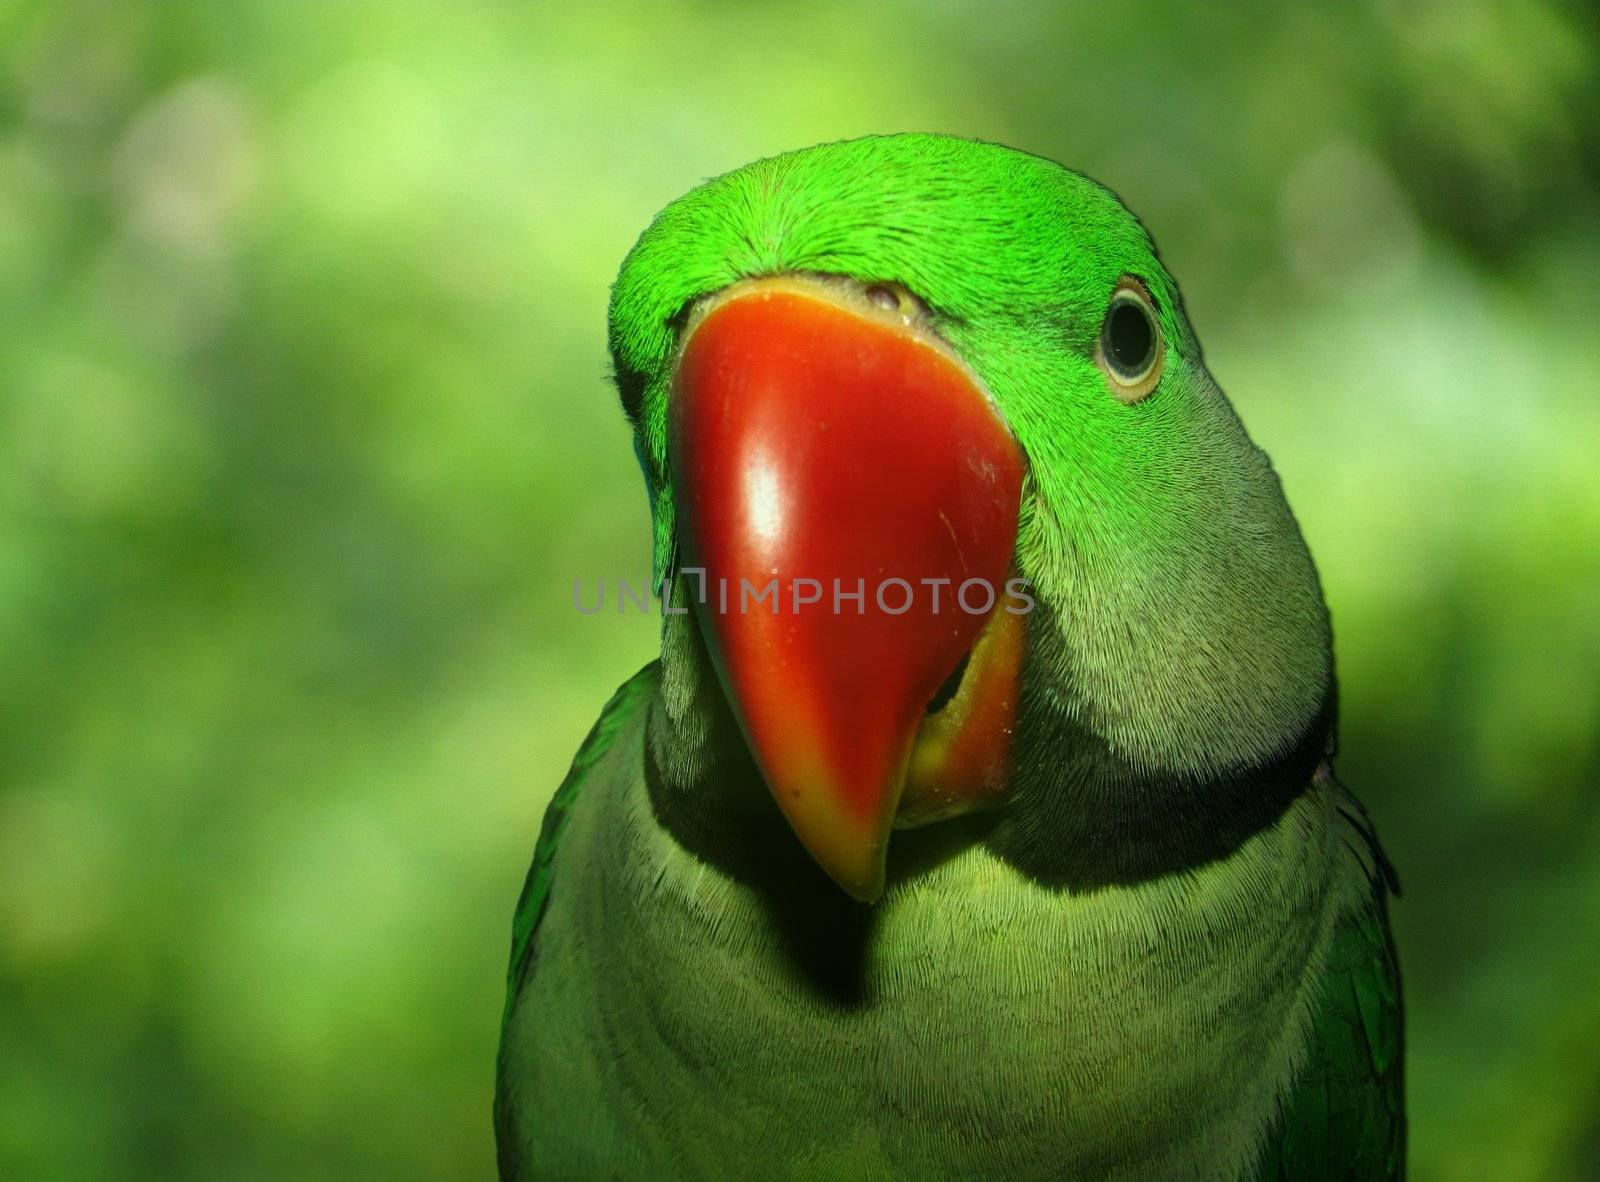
x=305 y=431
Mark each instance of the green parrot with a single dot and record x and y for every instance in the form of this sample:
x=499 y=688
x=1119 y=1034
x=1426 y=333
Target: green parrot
x=977 y=819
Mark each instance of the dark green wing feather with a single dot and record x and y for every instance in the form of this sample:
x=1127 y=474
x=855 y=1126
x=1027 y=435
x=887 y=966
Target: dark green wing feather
x=630 y=697
x=1345 y=1116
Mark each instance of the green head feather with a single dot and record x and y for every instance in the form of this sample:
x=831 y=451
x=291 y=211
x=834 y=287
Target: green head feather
x=1186 y=627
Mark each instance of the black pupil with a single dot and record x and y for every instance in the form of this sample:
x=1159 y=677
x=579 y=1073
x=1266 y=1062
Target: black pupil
x=1130 y=337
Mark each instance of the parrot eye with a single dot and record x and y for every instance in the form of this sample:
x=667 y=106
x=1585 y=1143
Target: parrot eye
x=1130 y=349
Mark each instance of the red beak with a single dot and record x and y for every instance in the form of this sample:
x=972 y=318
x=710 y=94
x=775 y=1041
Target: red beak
x=851 y=493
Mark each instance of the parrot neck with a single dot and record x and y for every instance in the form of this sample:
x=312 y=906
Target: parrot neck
x=1081 y=815
x=1084 y=815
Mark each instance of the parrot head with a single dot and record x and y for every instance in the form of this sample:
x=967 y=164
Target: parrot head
x=949 y=517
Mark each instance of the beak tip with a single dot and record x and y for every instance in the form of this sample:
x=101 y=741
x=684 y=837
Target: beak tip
x=865 y=893
x=856 y=866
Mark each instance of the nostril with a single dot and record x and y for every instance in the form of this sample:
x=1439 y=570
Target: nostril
x=883 y=296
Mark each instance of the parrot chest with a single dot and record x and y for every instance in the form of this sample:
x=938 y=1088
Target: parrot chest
x=995 y=1027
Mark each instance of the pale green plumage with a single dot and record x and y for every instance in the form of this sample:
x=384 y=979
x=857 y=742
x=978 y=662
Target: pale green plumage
x=1167 y=957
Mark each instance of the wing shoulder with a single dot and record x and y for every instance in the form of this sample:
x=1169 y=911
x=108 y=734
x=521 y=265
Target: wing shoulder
x=1344 y=1116
x=625 y=705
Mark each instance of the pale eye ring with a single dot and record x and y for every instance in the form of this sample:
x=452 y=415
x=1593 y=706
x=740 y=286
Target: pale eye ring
x=1130 y=349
